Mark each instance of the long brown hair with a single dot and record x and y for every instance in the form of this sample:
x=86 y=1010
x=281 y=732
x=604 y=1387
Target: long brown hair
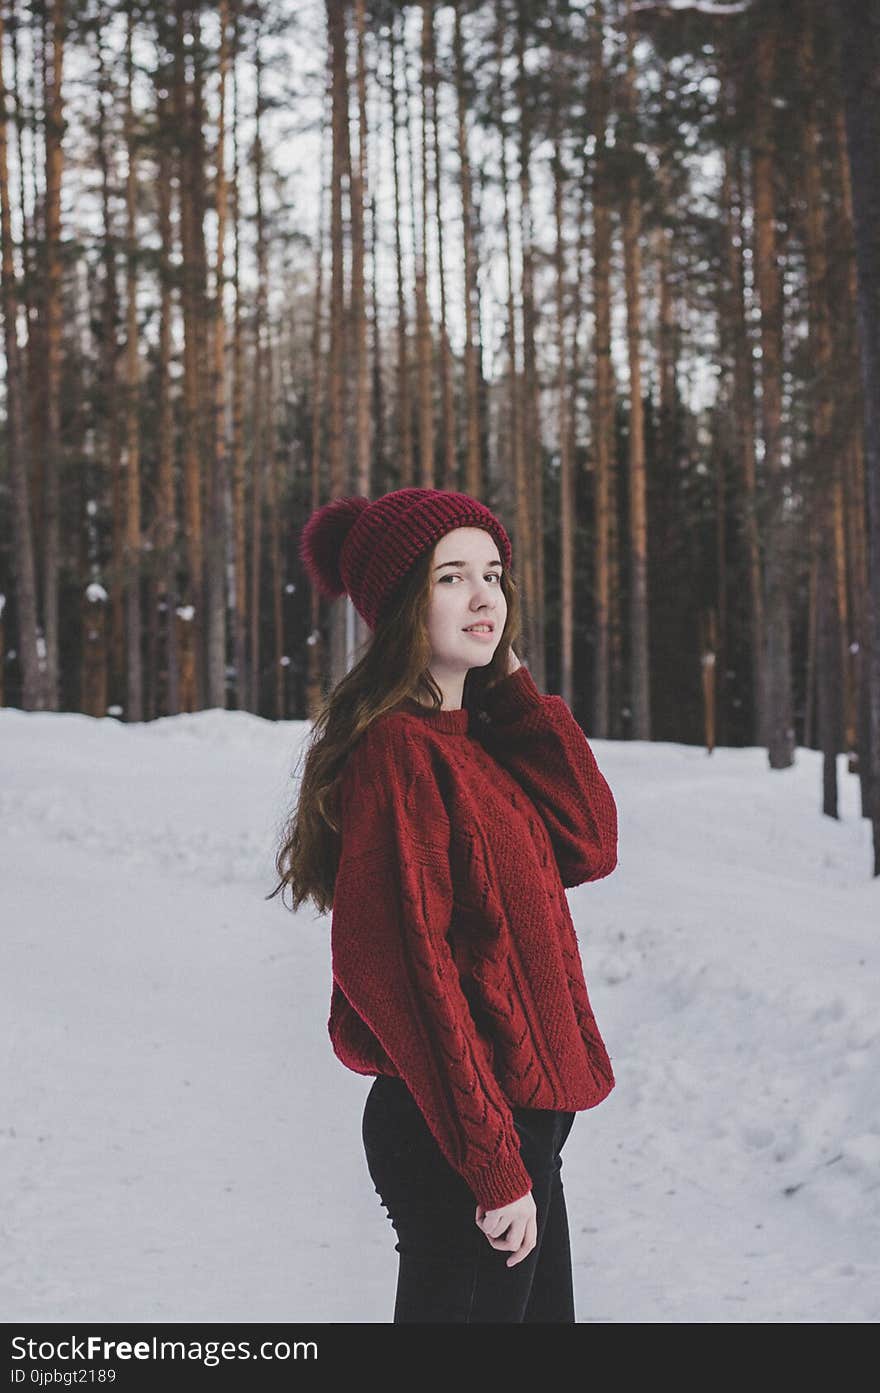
x=394 y=665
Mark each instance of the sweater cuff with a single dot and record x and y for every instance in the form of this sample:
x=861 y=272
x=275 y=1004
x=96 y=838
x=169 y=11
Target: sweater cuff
x=504 y=1181
x=515 y=695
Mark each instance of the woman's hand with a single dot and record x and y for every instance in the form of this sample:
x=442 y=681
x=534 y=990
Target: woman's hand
x=513 y=1226
x=513 y=662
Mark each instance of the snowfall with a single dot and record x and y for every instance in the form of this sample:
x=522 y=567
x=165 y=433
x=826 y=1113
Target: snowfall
x=179 y=1143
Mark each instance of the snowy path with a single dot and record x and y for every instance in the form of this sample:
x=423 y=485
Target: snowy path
x=177 y=1141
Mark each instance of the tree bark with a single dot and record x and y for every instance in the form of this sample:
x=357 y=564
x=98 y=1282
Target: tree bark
x=166 y=533
x=192 y=407
x=473 y=465
x=860 y=78
x=404 y=406
x=260 y=415
x=108 y=433
x=567 y=499
x=777 y=729
x=827 y=490
x=742 y=404
x=134 y=710
x=238 y=500
x=848 y=427
x=423 y=320
x=516 y=456
x=216 y=542
x=339 y=318
x=33 y=690
x=363 y=425
x=359 y=185
x=447 y=402
x=315 y=649
x=603 y=413
x=51 y=519
x=640 y=675
x=533 y=573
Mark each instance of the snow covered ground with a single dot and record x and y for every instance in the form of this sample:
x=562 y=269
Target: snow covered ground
x=178 y=1142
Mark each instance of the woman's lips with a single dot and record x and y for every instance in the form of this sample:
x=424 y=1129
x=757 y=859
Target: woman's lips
x=484 y=634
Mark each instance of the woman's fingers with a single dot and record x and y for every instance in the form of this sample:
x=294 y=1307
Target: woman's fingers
x=495 y=1226
x=519 y=1239
x=492 y=1225
x=530 y=1238
x=511 y=1238
x=511 y=1228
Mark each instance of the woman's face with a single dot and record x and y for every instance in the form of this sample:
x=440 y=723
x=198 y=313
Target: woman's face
x=465 y=590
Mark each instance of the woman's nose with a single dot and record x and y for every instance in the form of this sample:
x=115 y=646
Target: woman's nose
x=483 y=598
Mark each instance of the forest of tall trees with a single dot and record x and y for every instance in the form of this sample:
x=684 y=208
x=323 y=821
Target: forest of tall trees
x=611 y=266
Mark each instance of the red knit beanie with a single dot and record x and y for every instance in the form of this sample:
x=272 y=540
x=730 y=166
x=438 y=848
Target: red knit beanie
x=364 y=549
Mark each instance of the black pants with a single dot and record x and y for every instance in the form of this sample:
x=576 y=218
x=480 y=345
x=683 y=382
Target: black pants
x=447 y=1270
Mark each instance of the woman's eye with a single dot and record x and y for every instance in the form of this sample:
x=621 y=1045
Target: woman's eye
x=490 y=575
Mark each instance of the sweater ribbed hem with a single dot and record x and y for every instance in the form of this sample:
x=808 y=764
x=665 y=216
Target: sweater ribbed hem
x=501 y=1183
x=515 y=695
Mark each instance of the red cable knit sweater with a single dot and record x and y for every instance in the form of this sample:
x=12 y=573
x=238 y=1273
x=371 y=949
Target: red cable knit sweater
x=455 y=961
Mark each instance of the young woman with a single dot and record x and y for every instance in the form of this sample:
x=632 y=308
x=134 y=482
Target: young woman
x=445 y=804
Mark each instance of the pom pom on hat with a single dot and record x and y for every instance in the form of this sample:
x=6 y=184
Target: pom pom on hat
x=321 y=541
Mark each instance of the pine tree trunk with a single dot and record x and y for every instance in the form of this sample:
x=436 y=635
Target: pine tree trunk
x=204 y=326
x=849 y=417
x=424 y=332
x=26 y=290
x=521 y=510
x=813 y=602
x=189 y=629
x=259 y=416
x=34 y=349
x=447 y=403
x=483 y=402
x=134 y=710
x=90 y=663
x=36 y=352
x=379 y=462
x=860 y=79
x=563 y=417
x=339 y=320
x=827 y=492
x=666 y=335
x=640 y=675
x=238 y=500
x=777 y=724
x=404 y=407
x=362 y=435
x=166 y=507
x=604 y=460
x=742 y=410
x=315 y=650
x=273 y=522
x=109 y=444
x=33 y=691
x=363 y=442
x=533 y=457
x=474 y=478
x=51 y=519
x=217 y=541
